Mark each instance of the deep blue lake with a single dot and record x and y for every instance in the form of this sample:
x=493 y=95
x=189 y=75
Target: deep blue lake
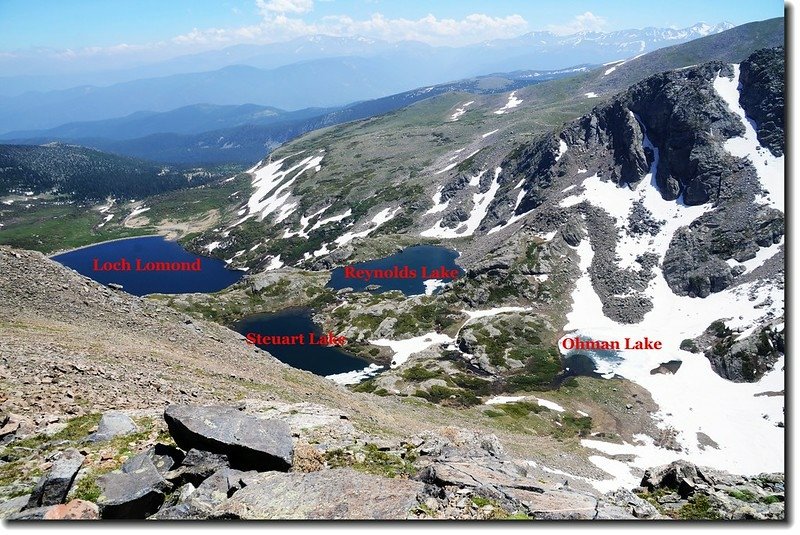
x=429 y=257
x=321 y=360
x=213 y=275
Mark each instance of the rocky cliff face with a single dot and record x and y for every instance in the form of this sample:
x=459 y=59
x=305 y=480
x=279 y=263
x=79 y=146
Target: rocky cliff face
x=762 y=79
x=677 y=125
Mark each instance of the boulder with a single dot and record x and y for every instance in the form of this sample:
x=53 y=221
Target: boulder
x=165 y=457
x=328 y=494
x=113 y=424
x=478 y=471
x=73 y=510
x=13 y=506
x=52 y=488
x=197 y=466
x=36 y=513
x=676 y=475
x=250 y=443
x=134 y=492
x=556 y=504
x=207 y=500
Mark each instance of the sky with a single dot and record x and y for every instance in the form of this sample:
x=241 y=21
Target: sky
x=156 y=28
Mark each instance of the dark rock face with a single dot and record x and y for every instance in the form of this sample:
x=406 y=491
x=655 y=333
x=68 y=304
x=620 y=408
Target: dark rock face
x=573 y=231
x=690 y=269
x=454 y=186
x=695 y=261
x=745 y=360
x=536 y=163
x=678 y=475
x=248 y=442
x=455 y=217
x=164 y=457
x=679 y=110
x=197 y=466
x=762 y=96
x=136 y=491
x=53 y=487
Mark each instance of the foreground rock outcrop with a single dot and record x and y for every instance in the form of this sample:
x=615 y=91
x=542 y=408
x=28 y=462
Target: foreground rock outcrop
x=452 y=474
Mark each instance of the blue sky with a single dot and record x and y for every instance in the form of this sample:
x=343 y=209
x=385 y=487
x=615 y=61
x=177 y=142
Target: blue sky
x=79 y=24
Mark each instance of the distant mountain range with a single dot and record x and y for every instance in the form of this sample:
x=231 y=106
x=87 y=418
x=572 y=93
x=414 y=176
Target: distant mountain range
x=211 y=134
x=316 y=71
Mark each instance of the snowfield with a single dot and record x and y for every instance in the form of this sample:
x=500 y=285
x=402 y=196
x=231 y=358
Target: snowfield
x=438 y=205
x=480 y=207
x=695 y=399
x=769 y=168
x=379 y=219
x=461 y=110
x=403 y=349
x=272 y=188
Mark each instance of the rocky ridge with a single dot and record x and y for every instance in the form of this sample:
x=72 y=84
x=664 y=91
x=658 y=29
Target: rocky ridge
x=455 y=474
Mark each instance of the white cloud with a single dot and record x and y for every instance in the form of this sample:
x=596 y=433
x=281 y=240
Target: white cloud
x=284 y=6
x=585 y=22
x=282 y=20
x=278 y=26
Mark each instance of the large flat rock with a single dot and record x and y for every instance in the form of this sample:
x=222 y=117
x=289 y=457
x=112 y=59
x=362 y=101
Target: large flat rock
x=556 y=504
x=328 y=494
x=251 y=443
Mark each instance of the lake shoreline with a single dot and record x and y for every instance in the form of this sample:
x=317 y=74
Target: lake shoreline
x=112 y=261
x=65 y=251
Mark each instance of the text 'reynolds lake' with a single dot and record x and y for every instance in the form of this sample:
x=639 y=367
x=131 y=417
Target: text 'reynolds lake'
x=415 y=270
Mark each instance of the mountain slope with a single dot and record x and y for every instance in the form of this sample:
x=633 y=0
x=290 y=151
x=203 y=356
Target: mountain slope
x=249 y=142
x=82 y=173
x=425 y=142
x=364 y=70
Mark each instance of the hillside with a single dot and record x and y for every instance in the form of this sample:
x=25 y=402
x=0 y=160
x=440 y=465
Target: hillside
x=82 y=173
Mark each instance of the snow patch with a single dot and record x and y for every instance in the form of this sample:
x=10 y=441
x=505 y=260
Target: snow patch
x=274 y=263
x=513 y=102
x=432 y=284
x=487 y=134
x=108 y=218
x=480 y=208
x=332 y=219
x=380 y=218
x=550 y=405
x=461 y=110
x=438 y=205
x=138 y=210
x=272 y=188
x=769 y=168
x=501 y=400
x=403 y=349
x=562 y=149
x=356 y=376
